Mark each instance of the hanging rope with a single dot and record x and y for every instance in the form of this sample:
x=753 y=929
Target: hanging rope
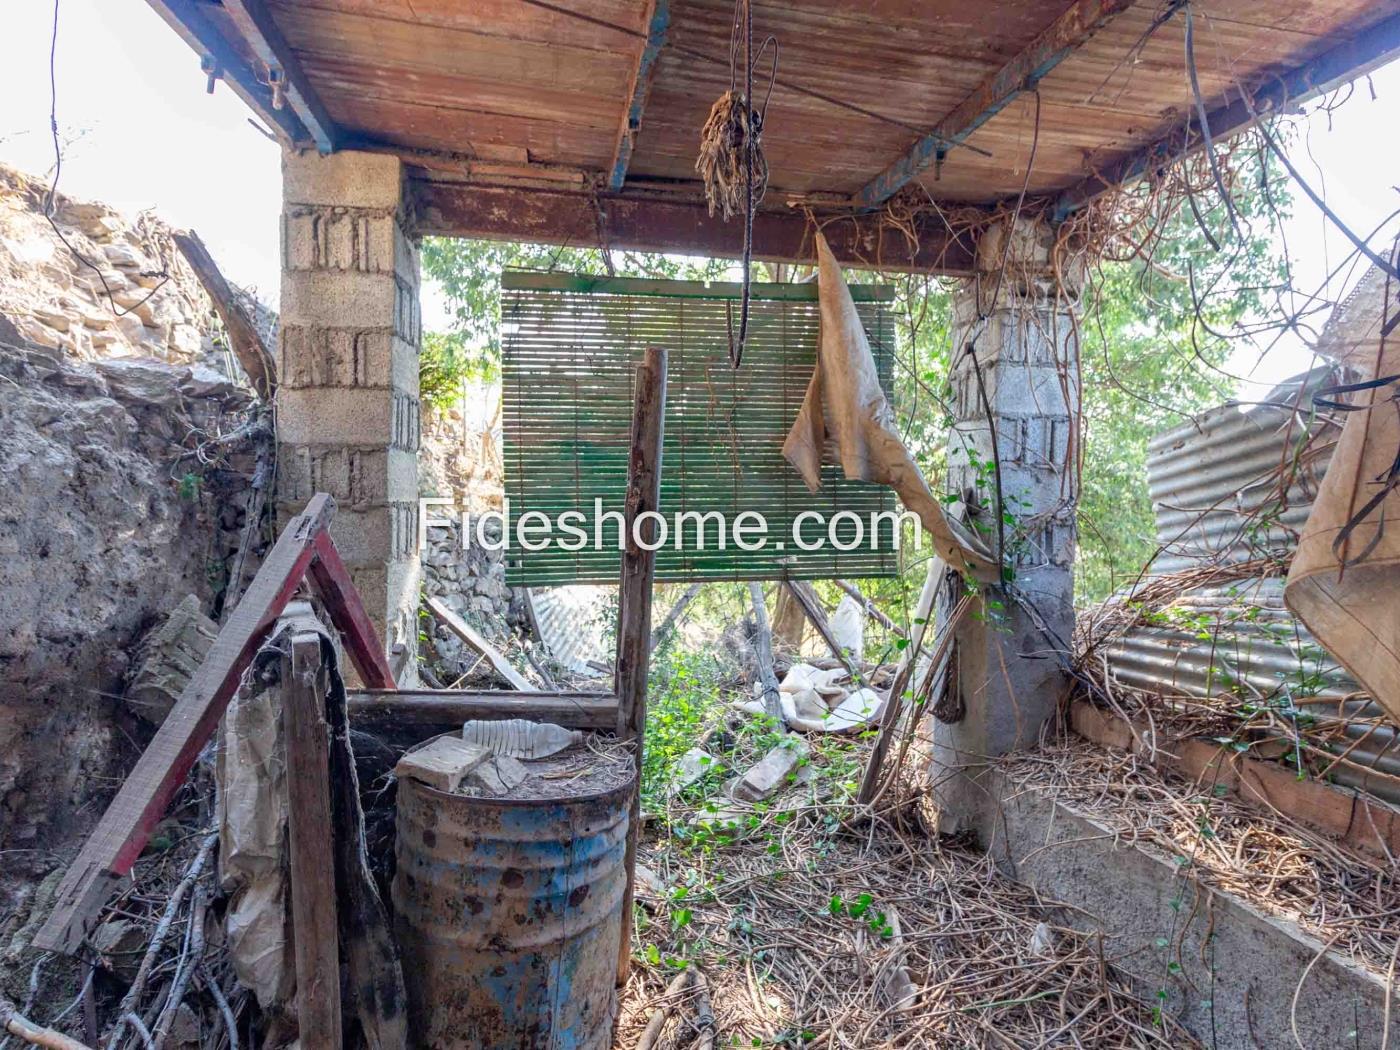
x=731 y=161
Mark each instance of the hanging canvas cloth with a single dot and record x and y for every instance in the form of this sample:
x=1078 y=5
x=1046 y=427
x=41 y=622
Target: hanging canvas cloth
x=1344 y=585
x=845 y=414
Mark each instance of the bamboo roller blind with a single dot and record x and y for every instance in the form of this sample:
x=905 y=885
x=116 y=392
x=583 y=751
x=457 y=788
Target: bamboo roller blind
x=570 y=348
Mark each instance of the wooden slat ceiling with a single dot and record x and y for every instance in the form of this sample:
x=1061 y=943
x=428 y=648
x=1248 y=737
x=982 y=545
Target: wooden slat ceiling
x=534 y=92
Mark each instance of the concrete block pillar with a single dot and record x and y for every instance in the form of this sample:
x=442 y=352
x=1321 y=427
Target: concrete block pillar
x=347 y=404
x=1004 y=682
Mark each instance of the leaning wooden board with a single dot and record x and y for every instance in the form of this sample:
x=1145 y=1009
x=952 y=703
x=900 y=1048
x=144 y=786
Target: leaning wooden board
x=109 y=853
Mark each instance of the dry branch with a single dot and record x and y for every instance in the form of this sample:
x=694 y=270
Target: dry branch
x=247 y=342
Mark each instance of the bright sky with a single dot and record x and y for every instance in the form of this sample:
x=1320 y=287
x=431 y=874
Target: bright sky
x=140 y=132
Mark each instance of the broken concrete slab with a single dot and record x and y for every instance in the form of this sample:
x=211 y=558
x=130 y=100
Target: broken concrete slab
x=691 y=767
x=443 y=763
x=496 y=777
x=167 y=658
x=772 y=771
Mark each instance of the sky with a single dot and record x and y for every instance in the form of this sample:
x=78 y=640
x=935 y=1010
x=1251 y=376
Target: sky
x=139 y=131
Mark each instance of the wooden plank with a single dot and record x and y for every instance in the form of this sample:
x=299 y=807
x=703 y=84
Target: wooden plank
x=264 y=36
x=248 y=346
x=347 y=612
x=1329 y=71
x=464 y=631
x=1354 y=820
x=658 y=23
x=120 y=836
x=107 y=856
x=407 y=717
x=634 y=600
x=806 y=597
x=763 y=653
x=310 y=847
x=1070 y=31
x=653 y=224
x=190 y=23
x=661 y=288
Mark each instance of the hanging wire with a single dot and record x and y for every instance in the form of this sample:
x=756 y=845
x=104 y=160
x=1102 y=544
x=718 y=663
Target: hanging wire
x=163 y=274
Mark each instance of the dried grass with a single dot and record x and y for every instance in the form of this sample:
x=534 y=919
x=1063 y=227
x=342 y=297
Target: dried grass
x=769 y=923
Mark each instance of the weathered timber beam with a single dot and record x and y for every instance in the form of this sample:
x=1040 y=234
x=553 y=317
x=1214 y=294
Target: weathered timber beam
x=1061 y=39
x=247 y=342
x=658 y=24
x=634 y=594
x=195 y=29
x=406 y=717
x=548 y=216
x=1347 y=61
x=283 y=68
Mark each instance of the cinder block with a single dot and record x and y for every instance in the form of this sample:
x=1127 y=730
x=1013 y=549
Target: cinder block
x=357 y=416
x=349 y=179
x=342 y=239
x=335 y=299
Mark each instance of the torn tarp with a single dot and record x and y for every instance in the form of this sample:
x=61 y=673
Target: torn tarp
x=846 y=418
x=1345 y=575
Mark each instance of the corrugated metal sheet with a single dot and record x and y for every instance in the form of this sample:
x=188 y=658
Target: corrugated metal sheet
x=1215 y=495
x=570 y=624
x=1214 y=479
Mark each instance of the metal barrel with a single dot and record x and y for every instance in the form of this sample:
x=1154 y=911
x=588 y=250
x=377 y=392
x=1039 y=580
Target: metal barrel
x=509 y=914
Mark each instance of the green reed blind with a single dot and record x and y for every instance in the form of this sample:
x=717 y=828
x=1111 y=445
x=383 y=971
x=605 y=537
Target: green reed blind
x=570 y=349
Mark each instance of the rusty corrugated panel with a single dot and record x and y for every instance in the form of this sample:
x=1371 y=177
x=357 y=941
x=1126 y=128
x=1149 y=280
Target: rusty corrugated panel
x=1212 y=483
x=1213 y=479
x=509 y=917
x=570 y=623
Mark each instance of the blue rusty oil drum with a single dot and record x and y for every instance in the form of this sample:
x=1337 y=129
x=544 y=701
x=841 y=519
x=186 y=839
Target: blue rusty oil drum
x=509 y=916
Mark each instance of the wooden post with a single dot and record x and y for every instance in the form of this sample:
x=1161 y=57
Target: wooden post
x=806 y=596
x=309 y=835
x=763 y=651
x=634 y=600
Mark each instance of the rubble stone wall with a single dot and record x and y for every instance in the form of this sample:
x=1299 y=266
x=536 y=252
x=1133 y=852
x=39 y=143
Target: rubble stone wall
x=115 y=509
x=138 y=298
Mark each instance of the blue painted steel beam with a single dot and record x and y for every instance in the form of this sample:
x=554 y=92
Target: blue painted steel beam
x=1356 y=57
x=658 y=25
x=190 y=24
x=255 y=22
x=1061 y=39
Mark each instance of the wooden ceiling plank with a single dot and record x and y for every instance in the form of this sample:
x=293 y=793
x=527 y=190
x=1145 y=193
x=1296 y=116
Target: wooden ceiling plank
x=658 y=25
x=191 y=25
x=1062 y=38
x=1345 y=62
x=266 y=39
x=650 y=224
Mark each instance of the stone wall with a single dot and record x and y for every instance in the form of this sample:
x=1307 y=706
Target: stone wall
x=152 y=304
x=471 y=581
x=117 y=505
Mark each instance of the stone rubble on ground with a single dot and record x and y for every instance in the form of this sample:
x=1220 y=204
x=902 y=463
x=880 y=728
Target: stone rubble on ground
x=772 y=772
x=691 y=767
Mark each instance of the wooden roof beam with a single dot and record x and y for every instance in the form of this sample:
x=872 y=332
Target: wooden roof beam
x=224 y=62
x=1347 y=61
x=265 y=38
x=658 y=24
x=545 y=216
x=1064 y=36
